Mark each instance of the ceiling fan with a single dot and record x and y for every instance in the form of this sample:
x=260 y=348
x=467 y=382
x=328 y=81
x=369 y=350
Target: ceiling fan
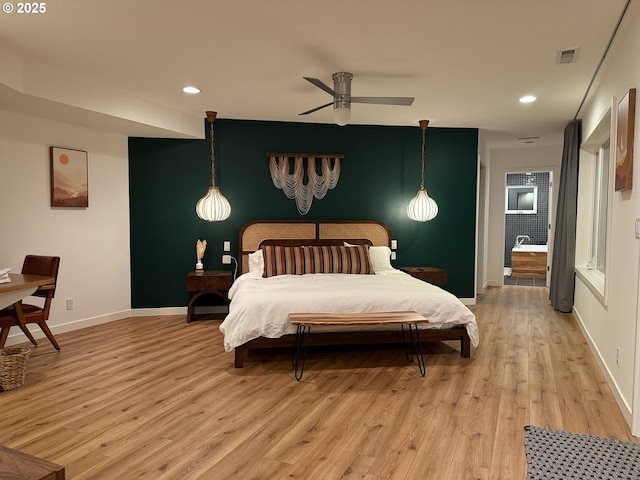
x=342 y=99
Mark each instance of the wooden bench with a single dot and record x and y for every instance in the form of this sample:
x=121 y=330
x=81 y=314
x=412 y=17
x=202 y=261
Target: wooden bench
x=304 y=322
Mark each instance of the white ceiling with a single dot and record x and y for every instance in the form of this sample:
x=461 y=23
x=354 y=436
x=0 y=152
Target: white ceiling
x=119 y=65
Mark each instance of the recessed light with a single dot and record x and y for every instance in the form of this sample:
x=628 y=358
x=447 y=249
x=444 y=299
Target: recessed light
x=191 y=89
x=528 y=99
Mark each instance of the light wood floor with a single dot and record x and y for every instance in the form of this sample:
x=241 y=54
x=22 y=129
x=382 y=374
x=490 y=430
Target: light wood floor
x=158 y=398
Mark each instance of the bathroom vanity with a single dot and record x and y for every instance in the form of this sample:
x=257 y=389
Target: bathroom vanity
x=529 y=261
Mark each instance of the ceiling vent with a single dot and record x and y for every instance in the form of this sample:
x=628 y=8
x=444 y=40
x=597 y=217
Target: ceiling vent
x=528 y=139
x=567 y=56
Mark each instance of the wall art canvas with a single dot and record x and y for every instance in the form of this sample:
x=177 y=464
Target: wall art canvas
x=69 y=178
x=624 y=140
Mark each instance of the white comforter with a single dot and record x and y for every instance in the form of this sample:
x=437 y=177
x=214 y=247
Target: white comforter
x=260 y=306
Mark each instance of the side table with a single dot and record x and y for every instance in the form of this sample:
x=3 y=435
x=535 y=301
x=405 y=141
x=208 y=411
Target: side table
x=208 y=282
x=433 y=275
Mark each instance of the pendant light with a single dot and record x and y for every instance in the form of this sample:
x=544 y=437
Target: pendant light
x=213 y=207
x=422 y=207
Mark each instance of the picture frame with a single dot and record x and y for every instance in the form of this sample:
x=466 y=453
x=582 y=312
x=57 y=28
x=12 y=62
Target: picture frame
x=69 y=178
x=624 y=141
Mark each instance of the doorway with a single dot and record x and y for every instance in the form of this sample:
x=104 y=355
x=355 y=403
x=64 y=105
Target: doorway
x=527 y=228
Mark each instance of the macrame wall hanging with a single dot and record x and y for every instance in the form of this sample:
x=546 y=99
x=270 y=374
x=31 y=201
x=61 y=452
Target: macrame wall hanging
x=292 y=183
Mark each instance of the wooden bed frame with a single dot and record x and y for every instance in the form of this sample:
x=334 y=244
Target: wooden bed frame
x=328 y=232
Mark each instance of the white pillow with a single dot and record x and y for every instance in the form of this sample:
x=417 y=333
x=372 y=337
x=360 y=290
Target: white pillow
x=379 y=257
x=256 y=262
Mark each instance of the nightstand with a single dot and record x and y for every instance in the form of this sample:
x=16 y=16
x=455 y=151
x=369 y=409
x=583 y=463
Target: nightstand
x=433 y=275
x=208 y=282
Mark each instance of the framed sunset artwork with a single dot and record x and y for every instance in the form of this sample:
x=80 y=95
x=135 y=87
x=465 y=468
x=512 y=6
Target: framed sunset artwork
x=69 y=178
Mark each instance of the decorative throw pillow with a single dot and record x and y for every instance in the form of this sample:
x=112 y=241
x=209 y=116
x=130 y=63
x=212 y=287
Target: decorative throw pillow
x=338 y=259
x=280 y=260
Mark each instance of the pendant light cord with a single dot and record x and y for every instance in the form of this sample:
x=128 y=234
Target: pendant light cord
x=422 y=175
x=213 y=157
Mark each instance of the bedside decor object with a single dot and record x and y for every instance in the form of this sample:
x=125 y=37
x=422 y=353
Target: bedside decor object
x=624 y=141
x=201 y=246
x=69 y=178
x=422 y=207
x=292 y=183
x=213 y=207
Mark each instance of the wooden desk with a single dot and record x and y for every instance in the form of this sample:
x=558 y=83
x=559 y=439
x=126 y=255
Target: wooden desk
x=304 y=322
x=17 y=465
x=208 y=282
x=20 y=286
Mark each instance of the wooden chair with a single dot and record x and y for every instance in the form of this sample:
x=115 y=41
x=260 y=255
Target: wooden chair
x=20 y=314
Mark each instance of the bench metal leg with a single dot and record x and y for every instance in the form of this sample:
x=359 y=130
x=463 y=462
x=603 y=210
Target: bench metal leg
x=300 y=350
x=413 y=346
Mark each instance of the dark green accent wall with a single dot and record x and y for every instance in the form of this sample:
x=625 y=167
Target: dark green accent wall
x=380 y=173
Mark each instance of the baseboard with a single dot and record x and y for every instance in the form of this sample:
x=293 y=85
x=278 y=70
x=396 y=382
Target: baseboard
x=625 y=408
x=16 y=336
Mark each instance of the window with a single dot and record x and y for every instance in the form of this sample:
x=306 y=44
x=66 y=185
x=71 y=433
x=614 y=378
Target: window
x=598 y=245
x=595 y=193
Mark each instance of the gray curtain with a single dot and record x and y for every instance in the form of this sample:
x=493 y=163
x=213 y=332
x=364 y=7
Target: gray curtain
x=562 y=287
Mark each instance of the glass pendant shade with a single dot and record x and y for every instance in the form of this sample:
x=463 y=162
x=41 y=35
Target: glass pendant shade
x=422 y=207
x=341 y=116
x=213 y=207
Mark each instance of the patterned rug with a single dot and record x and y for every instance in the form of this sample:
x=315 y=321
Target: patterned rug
x=553 y=454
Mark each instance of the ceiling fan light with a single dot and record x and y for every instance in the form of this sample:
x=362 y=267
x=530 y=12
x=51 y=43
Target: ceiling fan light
x=213 y=207
x=341 y=115
x=422 y=207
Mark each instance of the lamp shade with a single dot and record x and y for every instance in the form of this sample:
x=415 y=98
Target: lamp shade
x=213 y=207
x=422 y=207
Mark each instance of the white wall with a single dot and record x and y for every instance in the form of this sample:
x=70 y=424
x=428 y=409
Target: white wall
x=615 y=325
x=503 y=161
x=93 y=243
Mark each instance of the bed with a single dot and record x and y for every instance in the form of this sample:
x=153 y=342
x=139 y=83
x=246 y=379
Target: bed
x=259 y=305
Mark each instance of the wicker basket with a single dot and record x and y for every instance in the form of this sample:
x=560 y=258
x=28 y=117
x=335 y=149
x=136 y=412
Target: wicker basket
x=13 y=367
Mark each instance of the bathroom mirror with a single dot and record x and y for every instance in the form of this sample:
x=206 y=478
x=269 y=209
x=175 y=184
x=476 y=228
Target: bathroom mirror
x=521 y=199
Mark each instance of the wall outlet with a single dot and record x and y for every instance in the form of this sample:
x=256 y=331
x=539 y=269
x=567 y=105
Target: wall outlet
x=226 y=246
x=226 y=259
x=618 y=357
x=393 y=255
x=394 y=244
x=69 y=303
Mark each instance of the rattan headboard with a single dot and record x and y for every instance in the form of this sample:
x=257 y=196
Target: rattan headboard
x=309 y=232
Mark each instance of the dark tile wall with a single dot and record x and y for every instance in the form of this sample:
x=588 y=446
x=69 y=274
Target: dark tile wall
x=535 y=225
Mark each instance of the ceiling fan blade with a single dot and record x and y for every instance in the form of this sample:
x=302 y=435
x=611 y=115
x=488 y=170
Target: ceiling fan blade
x=315 y=109
x=321 y=85
x=384 y=100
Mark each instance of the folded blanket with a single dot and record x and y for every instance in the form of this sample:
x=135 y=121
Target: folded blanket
x=4 y=272
x=5 y=279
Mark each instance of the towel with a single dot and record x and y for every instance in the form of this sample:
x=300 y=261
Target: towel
x=4 y=275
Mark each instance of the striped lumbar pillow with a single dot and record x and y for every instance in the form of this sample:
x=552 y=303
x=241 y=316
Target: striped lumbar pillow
x=279 y=260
